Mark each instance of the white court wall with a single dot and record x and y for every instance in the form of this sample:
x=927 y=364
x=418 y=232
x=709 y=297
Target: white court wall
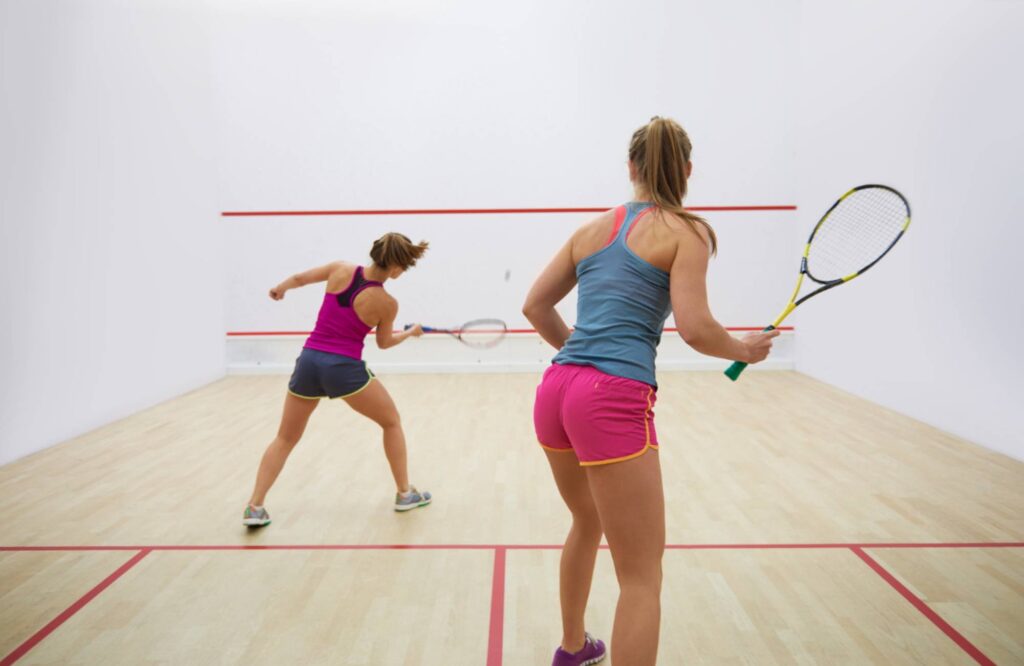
x=452 y=104
x=924 y=96
x=111 y=255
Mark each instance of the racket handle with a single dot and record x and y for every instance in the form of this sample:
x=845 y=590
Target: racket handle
x=733 y=371
x=426 y=329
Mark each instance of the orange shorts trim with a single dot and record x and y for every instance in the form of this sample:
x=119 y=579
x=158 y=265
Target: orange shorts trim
x=556 y=450
x=595 y=463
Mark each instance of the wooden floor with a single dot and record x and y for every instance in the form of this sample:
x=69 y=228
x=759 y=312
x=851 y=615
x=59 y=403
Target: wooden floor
x=807 y=527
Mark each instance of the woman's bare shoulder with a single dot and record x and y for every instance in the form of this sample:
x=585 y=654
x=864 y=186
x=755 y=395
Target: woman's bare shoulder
x=593 y=235
x=340 y=275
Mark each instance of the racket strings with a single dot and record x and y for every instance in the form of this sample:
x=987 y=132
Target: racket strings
x=483 y=333
x=857 y=232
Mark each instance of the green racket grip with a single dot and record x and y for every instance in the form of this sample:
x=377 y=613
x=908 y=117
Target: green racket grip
x=734 y=371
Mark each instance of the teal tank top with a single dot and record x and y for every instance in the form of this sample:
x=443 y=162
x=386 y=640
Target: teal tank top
x=623 y=302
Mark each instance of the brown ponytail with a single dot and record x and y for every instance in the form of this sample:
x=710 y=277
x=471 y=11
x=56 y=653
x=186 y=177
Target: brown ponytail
x=396 y=250
x=660 y=152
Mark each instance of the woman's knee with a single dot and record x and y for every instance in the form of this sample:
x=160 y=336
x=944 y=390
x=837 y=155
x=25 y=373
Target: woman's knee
x=389 y=420
x=643 y=572
x=288 y=439
x=587 y=520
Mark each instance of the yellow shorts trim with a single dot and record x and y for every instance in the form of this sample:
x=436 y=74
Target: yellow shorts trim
x=551 y=448
x=307 y=397
x=358 y=390
x=623 y=458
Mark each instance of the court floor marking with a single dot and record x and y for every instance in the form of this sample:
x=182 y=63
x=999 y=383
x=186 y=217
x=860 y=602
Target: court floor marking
x=520 y=546
x=66 y=614
x=925 y=609
x=495 y=638
x=497 y=617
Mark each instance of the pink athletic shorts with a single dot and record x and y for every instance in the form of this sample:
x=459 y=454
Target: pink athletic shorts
x=603 y=418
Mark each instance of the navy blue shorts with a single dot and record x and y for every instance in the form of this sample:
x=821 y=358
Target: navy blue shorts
x=324 y=375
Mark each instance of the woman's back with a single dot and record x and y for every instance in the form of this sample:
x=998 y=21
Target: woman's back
x=594 y=408
x=349 y=310
x=623 y=295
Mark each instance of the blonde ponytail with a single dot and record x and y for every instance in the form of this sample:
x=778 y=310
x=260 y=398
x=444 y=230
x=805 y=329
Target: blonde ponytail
x=660 y=152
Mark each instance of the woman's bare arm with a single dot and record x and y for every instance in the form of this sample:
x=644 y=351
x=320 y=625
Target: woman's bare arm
x=386 y=336
x=313 y=275
x=697 y=326
x=551 y=286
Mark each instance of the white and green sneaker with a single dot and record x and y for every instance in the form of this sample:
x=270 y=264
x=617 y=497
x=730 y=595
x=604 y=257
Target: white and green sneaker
x=254 y=517
x=413 y=499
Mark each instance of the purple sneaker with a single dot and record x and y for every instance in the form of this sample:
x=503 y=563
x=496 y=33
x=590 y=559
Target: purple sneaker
x=591 y=653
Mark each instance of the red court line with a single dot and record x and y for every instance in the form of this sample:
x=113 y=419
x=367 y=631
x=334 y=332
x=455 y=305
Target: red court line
x=497 y=632
x=237 y=547
x=241 y=334
x=525 y=546
x=832 y=546
x=925 y=609
x=473 y=211
x=37 y=637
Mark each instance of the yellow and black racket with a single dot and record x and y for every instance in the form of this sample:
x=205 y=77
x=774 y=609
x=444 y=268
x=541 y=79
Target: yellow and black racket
x=851 y=237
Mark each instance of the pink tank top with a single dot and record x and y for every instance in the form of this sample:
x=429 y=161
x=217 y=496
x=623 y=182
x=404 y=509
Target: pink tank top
x=339 y=330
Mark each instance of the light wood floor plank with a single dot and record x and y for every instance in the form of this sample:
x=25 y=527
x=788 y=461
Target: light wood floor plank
x=741 y=608
x=980 y=592
x=775 y=458
x=36 y=587
x=338 y=607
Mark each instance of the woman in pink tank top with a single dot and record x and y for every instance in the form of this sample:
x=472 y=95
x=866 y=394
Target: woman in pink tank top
x=331 y=363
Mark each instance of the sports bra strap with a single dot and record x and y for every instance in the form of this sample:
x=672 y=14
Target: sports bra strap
x=358 y=284
x=620 y=217
x=632 y=225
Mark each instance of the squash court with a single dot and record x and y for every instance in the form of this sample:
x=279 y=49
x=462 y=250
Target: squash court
x=855 y=498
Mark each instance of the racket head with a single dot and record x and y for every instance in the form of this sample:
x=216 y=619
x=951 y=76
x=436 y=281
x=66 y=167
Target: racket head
x=482 y=333
x=855 y=233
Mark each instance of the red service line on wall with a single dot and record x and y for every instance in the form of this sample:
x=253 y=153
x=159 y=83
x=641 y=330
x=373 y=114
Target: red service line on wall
x=520 y=331
x=475 y=211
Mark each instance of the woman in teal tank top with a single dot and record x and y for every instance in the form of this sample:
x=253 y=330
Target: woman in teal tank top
x=633 y=266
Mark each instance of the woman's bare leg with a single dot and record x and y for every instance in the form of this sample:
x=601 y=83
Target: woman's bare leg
x=631 y=502
x=375 y=403
x=293 y=424
x=576 y=570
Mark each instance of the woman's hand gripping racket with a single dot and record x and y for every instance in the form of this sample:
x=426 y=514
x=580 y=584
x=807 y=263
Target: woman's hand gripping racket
x=851 y=237
x=479 y=333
